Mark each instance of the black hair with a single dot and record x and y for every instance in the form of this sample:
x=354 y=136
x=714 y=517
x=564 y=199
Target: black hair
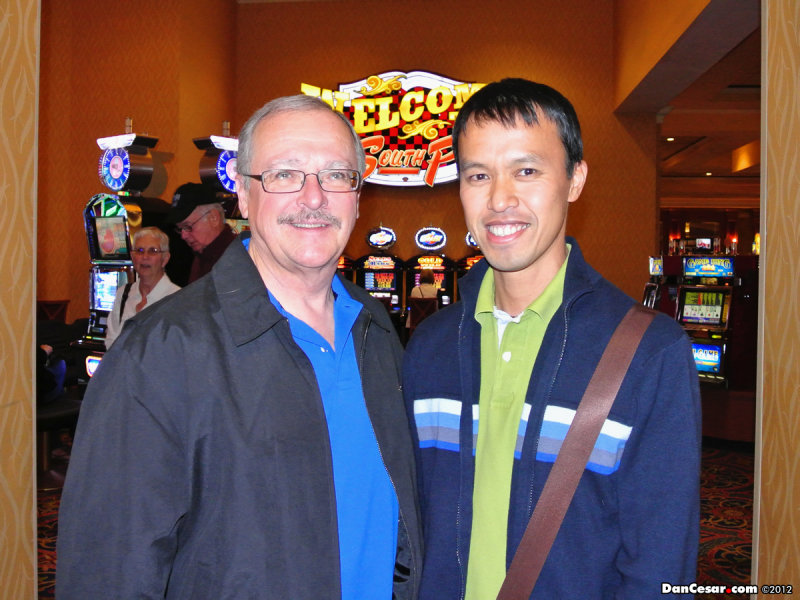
x=509 y=99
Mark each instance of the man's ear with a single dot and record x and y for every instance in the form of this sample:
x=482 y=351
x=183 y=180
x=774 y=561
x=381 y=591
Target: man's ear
x=576 y=183
x=241 y=192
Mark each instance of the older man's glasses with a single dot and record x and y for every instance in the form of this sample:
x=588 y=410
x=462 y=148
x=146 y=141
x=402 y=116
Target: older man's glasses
x=189 y=226
x=285 y=181
x=149 y=251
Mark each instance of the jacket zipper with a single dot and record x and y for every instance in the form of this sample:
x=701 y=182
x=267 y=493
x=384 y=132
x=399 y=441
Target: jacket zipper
x=362 y=356
x=459 y=558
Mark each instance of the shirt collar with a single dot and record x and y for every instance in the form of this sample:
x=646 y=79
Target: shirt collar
x=545 y=306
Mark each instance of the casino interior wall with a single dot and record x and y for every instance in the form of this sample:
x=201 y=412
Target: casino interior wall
x=189 y=70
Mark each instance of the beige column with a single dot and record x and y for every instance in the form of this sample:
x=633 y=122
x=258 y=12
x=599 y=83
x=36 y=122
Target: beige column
x=776 y=540
x=19 y=45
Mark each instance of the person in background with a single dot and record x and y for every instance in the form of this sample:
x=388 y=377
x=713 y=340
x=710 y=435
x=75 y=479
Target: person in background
x=523 y=342
x=150 y=254
x=50 y=375
x=426 y=287
x=200 y=221
x=247 y=437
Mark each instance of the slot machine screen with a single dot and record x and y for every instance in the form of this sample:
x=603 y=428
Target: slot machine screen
x=699 y=306
x=656 y=266
x=703 y=243
x=707 y=357
x=104 y=288
x=380 y=281
x=112 y=238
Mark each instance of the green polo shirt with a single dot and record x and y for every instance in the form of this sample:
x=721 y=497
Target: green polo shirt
x=506 y=365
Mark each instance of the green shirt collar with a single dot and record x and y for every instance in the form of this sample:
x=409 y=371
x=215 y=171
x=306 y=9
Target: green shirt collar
x=545 y=306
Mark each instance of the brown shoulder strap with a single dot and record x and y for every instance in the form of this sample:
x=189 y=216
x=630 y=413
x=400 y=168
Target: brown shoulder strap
x=573 y=455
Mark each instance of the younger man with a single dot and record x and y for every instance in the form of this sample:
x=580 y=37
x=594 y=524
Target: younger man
x=532 y=323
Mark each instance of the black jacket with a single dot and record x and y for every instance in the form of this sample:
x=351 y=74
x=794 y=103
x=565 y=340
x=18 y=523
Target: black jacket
x=201 y=466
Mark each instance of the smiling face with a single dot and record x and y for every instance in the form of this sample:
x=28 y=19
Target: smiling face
x=515 y=193
x=305 y=231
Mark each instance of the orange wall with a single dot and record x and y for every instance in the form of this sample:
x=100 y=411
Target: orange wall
x=150 y=66
x=566 y=44
x=645 y=30
x=167 y=64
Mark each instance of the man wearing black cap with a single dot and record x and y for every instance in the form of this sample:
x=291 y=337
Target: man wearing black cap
x=200 y=221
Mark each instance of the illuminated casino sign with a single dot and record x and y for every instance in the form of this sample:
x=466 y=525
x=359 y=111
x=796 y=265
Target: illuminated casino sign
x=115 y=168
x=379 y=263
x=405 y=121
x=226 y=170
x=470 y=241
x=707 y=358
x=126 y=163
x=381 y=238
x=435 y=263
x=656 y=266
x=472 y=261
x=430 y=238
x=708 y=267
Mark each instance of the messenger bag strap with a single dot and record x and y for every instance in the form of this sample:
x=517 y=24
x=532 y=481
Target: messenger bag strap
x=573 y=455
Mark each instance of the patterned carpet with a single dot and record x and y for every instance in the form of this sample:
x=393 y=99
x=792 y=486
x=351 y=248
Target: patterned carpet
x=726 y=525
x=48 y=530
x=725 y=529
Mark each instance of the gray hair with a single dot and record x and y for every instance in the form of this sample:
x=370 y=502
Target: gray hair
x=163 y=240
x=299 y=102
x=220 y=210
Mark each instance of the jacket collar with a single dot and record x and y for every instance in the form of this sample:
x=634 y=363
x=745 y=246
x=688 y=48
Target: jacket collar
x=244 y=300
x=242 y=295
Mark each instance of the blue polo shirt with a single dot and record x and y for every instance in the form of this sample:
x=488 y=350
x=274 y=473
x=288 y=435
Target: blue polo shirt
x=366 y=503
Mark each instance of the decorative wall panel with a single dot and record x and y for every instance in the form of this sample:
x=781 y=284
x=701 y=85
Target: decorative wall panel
x=19 y=38
x=779 y=497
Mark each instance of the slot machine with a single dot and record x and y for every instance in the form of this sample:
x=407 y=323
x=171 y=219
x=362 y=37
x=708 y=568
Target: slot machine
x=704 y=313
x=717 y=305
x=429 y=240
x=218 y=171
x=346 y=268
x=466 y=263
x=381 y=273
x=661 y=290
x=110 y=220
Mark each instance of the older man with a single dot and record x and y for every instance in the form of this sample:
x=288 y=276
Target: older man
x=200 y=221
x=256 y=445
x=150 y=254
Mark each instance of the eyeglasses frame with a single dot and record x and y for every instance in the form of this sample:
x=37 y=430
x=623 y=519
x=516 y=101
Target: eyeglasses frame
x=150 y=251
x=305 y=176
x=188 y=228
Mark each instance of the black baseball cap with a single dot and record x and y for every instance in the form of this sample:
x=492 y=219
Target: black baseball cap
x=188 y=197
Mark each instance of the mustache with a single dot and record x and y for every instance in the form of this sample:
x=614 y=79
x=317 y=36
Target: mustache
x=304 y=216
